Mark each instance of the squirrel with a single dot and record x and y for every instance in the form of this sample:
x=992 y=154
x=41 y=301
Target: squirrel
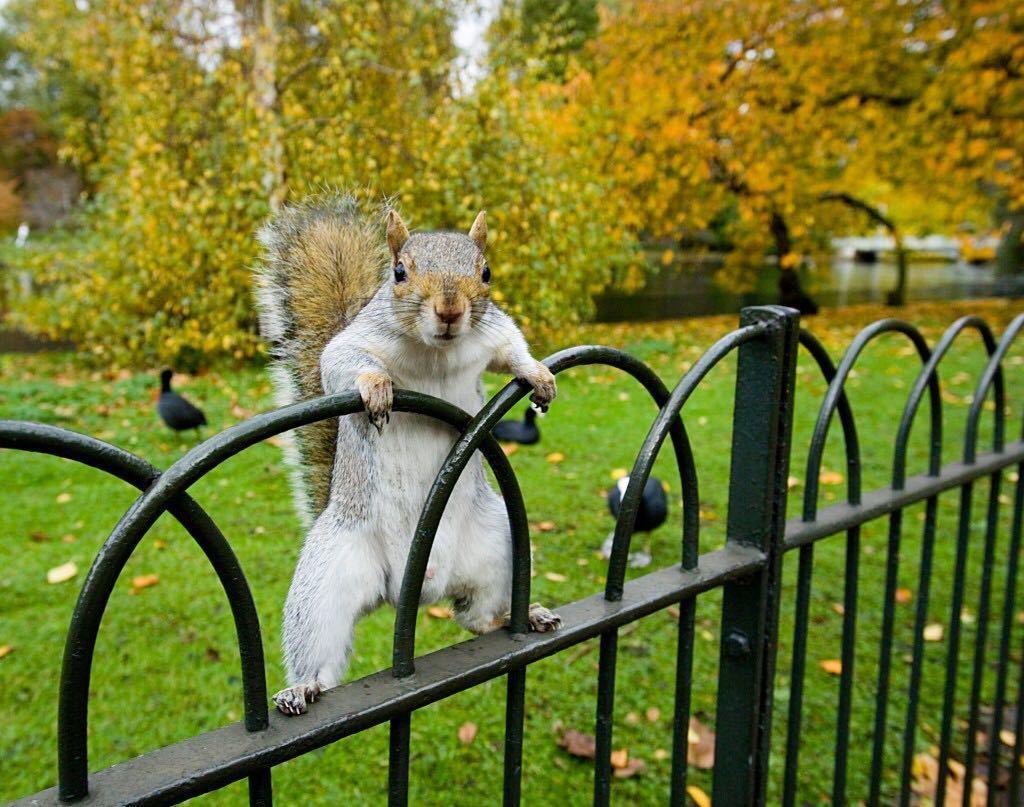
x=343 y=307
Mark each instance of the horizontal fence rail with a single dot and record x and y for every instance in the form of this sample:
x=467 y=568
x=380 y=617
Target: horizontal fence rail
x=749 y=569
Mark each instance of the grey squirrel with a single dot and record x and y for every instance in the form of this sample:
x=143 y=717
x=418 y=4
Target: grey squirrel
x=344 y=310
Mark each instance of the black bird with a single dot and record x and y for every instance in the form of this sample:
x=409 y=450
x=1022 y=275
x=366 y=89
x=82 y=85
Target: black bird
x=515 y=431
x=653 y=508
x=174 y=410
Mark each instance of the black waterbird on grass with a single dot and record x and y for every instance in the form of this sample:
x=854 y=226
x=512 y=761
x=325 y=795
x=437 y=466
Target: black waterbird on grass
x=651 y=514
x=174 y=410
x=523 y=431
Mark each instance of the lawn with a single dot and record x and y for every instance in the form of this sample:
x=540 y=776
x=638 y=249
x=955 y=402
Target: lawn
x=166 y=662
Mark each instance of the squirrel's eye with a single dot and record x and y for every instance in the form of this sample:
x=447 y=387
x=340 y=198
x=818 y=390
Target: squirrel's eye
x=400 y=273
x=485 y=275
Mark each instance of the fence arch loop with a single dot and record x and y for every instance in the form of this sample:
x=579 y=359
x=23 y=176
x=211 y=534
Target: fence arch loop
x=476 y=432
x=830 y=402
x=928 y=378
x=162 y=494
x=107 y=566
x=641 y=471
x=991 y=376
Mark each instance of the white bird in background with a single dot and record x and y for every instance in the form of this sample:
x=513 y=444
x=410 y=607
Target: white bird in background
x=22 y=237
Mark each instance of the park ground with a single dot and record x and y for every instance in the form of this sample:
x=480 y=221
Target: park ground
x=166 y=663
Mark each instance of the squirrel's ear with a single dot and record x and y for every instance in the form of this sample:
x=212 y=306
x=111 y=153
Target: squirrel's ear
x=398 y=233
x=478 y=232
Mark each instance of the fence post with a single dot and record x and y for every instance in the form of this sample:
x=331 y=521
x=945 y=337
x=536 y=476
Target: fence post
x=762 y=425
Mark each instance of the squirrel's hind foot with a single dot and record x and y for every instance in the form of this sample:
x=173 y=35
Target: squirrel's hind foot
x=292 y=701
x=542 y=620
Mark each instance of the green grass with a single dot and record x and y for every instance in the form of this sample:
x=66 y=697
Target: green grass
x=166 y=663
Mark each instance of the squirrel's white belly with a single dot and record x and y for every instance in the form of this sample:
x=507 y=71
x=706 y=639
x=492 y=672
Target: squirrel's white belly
x=411 y=450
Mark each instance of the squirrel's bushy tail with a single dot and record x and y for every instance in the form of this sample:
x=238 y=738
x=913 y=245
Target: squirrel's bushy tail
x=323 y=261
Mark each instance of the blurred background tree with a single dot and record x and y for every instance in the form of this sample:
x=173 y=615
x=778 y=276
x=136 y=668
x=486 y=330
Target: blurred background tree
x=589 y=128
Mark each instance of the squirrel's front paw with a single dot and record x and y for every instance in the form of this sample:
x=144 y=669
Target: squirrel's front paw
x=377 y=394
x=543 y=382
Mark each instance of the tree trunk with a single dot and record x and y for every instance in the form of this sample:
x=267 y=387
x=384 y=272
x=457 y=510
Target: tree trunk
x=1010 y=254
x=268 y=108
x=791 y=293
x=898 y=295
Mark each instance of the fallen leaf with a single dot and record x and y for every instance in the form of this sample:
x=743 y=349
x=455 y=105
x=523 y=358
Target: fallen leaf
x=793 y=482
x=212 y=654
x=934 y=632
x=832 y=666
x=633 y=767
x=555 y=577
x=508 y=449
x=440 y=611
x=144 y=581
x=827 y=477
x=700 y=798
x=5 y=649
x=632 y=718
x=63 y=498
x=578 y=744
x=160 y=543
x=653 y=714
x=903 y=596
x=555 y=456
x=839 y=608
x=1007 y=737
x=38 y=537
x=69 y=538
x=661 y=754
x=277 y=441
x=62 y=573
x=673 y=611
x=620 y=758
x=467 y=733
x=546 y=526
x=700 y=745
x=618 y=473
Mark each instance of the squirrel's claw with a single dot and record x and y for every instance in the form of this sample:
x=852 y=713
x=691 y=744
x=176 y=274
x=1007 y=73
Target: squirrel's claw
x=544 y=388
x=377 y=394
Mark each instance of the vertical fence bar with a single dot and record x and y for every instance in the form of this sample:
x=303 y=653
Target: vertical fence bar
x=798 y=667
x=953 y=651
x=605 y=709
x=260 y=789
x=515 y=708
x=848 y=657
x=762 y=424
x=917 y=657
x=398 y=761
x=892 y=564
x=1006 y=637
x=981 y=636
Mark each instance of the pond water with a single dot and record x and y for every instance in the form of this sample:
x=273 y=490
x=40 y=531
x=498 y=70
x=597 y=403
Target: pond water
x=692 y=290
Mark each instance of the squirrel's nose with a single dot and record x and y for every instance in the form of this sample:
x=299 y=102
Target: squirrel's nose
x=449 y=316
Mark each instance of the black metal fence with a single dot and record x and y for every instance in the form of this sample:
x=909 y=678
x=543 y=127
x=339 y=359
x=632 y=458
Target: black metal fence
x=748 y=569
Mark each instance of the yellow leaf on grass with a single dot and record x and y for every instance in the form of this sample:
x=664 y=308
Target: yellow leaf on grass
x=546 y=526
x=5 y=649
x=832 y=666
x=62 y=573
x=827 y=477
x=440 y=611
x=700 y=798
x=620 y=758
x=144 y=581
x=467 y=733
x=555 y=456
x=63 y=498
x=618 y=473
x=793 y=482
x=508 y=449
x=934 y=632
x=903 y=595
x=555 y=577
